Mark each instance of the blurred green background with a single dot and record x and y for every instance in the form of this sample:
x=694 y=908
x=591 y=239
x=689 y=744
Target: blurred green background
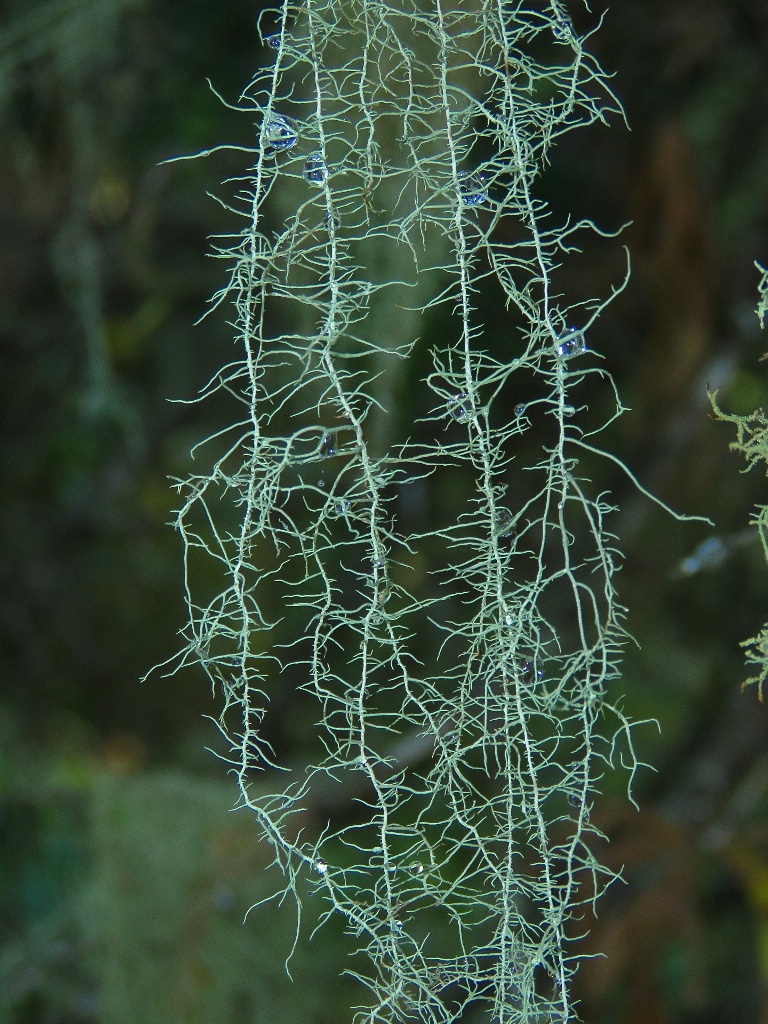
x=124 y=877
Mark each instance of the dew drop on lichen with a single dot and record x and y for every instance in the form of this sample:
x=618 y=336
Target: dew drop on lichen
x=472 y=188
x=504 y=524
x=571 y=343
x=280 y=132
x=315 y=170
x=530 y=673
x=458 y=409
x=328 y=445
x=562 y=29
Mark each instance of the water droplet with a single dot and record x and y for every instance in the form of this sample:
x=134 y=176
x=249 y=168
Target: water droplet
x=383 y=593
x=398 y=924
x=321 y=482
x=315 y=171
x=574 y=800
x=343 y=508
x=458 y=409
x=321 y=866
x=332 y=220
x=519 y=410
x=472 y=188
x=563 y=27
x=568 y=411
x=504 y=525
x=509 y=619
x=273 y=41
x=280 y=132
x=530 y=673
x=417 y=868
x=392 y=869
x=571 y=343
x=328 y=445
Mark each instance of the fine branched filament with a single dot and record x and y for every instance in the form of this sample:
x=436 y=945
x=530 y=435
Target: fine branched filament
x=417 y=552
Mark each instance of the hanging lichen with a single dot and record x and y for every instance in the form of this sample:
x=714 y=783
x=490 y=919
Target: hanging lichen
x=461 y=663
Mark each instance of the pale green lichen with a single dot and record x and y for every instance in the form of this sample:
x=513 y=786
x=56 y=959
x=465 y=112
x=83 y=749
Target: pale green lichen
x=762 y=289
x=752 y=442
x=394 y=177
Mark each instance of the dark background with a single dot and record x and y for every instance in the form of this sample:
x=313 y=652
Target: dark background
x=123 y=879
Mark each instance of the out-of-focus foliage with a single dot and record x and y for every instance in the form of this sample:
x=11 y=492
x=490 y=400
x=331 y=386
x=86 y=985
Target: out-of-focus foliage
x=129 y=892
x=103 y=271
x=172 y=876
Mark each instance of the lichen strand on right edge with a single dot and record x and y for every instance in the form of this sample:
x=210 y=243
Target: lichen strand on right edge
x=752 y=442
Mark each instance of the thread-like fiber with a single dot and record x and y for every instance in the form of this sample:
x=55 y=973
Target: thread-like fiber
x=461 y=672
